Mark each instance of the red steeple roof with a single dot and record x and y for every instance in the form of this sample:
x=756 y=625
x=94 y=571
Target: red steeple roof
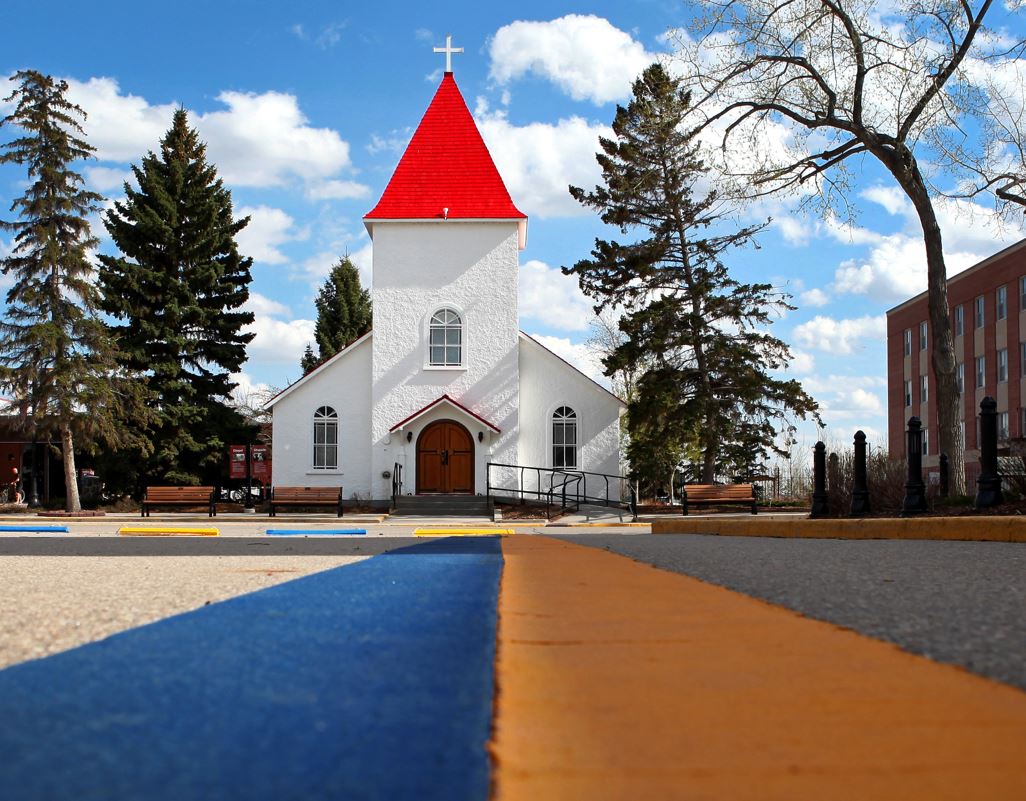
x=446 y=166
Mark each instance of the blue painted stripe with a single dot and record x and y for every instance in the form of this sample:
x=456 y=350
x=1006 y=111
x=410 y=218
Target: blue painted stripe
x=53 y=529
x=369 y=681
x=287 y=532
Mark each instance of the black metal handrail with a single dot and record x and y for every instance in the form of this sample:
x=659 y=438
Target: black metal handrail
x=397 y=483
x=569 y=486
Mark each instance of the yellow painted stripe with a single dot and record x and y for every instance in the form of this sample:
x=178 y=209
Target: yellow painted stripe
x=982 y=528
x=557 y=524
x=463 y=532
x=131 y=531
x=619 y=681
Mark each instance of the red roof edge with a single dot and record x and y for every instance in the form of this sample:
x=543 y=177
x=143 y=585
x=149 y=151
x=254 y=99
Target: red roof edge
x=455 y=403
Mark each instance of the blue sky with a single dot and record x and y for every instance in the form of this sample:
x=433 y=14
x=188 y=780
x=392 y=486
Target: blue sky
x=306 y=108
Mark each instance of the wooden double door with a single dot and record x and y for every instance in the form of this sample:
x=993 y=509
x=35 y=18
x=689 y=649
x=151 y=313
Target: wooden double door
x=445 y=459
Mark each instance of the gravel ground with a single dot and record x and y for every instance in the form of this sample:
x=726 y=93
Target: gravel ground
x=49 y=603
x=958 y=602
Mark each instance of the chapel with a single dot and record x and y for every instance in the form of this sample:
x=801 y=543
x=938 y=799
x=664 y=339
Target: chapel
x=446 y=383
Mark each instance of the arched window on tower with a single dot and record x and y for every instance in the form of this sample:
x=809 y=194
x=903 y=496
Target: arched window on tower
x=564 y=438
x=445 y=339
x=325 y=449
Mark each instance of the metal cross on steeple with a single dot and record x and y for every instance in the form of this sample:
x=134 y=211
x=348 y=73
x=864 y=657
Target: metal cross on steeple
x=448 y=50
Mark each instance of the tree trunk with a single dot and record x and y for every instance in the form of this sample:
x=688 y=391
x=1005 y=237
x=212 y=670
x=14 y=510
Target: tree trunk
x=72 y=503
x=709 y=458
x=942 y=341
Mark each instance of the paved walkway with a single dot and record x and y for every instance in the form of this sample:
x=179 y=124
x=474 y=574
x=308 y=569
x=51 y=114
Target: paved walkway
x=616 y=680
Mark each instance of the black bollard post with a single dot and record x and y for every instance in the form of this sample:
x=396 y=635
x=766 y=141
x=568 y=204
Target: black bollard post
x=820 y=500
x=860 y=478
x=915 y=490
x=988 y=485
x=943 y=489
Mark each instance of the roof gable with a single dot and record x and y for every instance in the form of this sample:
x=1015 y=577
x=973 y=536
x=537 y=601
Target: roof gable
x=591 y=381
x=445 y=399
x=446 y=171
x=319 y=369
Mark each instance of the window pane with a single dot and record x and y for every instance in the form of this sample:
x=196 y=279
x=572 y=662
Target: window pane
x=437 y=336
x=557 y=456
x=452 y=356
x=452 y=336
x=437 y=355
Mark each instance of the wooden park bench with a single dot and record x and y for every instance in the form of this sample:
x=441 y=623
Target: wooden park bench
x=179 y=496
x=718 y=494
x=305 y=496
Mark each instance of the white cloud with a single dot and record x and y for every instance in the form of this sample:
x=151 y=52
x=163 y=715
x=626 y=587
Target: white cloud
x=890 y=198
x=840 y=336
x=279 y=341
x=802 y=363
x=576 y=353
x=395 y=142
x=552 y=299
x=257 y=140
x=539 y=161
x=249 y=392
x=814 y=297
x=263 y=305
x=268 y=229
x=337 y=190
x=104 y=179
x=586 y=56
x=364 y=261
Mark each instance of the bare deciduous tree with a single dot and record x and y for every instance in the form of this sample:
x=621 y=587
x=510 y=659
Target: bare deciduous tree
x=796 y=91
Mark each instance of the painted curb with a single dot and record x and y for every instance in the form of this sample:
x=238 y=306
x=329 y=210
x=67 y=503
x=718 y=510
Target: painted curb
x=463 y=532
x=976 y=529
x=132 y=531
x=305 y=532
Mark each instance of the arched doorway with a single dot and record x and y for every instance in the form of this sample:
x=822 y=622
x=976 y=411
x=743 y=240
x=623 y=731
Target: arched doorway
x=445 y=459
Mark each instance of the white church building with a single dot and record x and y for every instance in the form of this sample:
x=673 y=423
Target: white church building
x=446 y=382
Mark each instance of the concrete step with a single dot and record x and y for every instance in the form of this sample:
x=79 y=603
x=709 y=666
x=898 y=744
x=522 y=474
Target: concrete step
x=444 y=505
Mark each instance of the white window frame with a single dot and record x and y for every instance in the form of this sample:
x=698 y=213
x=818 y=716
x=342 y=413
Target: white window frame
x=326 y=427
x=924 y=388
x=567 y=418
x=908 y=393
x=1002 y=366
x=926 y=441
x=908 y=341
x=979 y=310
x=981 y=372
x=959 y=320
x=960 y=377
x=440 y=322
x=1022 y=293
x=1001 y=303
x=1002 y=425
x=924 y=333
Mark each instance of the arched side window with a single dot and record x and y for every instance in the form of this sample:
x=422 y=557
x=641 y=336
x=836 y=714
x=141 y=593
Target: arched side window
x=564 y=438
x=325 y=449
x=445 y=339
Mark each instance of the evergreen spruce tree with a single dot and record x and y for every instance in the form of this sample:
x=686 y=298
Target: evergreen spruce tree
x=343 y=309
x=702 y=334
x=178 y=289
x=309 y=360
x=56 y=358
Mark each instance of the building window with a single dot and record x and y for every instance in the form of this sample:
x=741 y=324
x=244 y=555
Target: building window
x=908 y=341
x=445 y=339
x=564 y=438
x=1002 y=302
x=961 y=432
x=908 y=394
x=1002 y=366
x=1002 y=425
x=926 y=441
x=1022 y=358
x=981 y=371
x=1022 y=422
x=979 y=311
x=325 y=450
x=924 y=388
x=923 y=330
x=1022 y=293
x=960 y=377
x=959 y=320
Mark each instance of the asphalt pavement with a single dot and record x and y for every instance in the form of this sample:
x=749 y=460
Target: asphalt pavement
x=963 y=603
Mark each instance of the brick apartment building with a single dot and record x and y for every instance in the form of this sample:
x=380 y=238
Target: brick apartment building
x=988 y=316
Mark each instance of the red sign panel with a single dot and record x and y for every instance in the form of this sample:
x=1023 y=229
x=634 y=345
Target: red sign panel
x=236 y=461
x=261 y=464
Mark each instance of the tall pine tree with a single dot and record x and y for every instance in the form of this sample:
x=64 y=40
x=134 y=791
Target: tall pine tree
x=343 y=313
x=55 y=355
x=702 y=333
x=178 y=290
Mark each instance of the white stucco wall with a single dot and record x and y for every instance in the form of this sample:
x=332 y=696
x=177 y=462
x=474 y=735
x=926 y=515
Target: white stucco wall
x=343 y=384
x=420 y=267
x=546 y=383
